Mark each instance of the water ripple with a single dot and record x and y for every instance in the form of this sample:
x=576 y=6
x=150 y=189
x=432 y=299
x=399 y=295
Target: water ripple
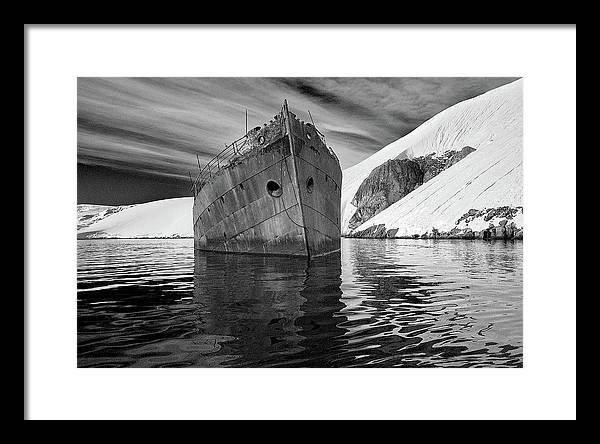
x=387 y=303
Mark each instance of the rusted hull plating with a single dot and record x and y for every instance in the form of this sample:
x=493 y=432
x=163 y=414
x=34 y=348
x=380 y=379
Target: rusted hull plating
x=282 y=197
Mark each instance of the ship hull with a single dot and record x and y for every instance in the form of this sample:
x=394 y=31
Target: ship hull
x=282 y=198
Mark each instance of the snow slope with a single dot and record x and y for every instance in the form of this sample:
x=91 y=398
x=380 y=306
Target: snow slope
x=492 y=124
x=161 y=218
x=490 y=177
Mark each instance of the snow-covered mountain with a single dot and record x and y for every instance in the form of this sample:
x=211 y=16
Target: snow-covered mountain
x=159 y=219
x=481 y=188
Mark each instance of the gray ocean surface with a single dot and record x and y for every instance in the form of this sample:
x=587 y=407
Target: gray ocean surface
x=379 y=303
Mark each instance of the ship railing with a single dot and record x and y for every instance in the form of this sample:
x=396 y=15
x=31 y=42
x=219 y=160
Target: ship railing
x=221 y=160
x=235 y=149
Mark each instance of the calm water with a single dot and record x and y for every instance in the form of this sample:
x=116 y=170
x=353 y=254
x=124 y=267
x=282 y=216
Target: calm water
x=407 y=303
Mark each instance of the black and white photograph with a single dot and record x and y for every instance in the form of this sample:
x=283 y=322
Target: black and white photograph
x=211 y=225
x=312 y=222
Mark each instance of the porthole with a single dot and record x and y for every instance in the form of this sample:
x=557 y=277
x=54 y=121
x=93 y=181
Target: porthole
x=310 y=184
x=274 y=189
x=261 y=140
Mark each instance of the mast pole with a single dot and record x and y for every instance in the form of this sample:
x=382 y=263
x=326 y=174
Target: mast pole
x=311 y=119
x=193 y=184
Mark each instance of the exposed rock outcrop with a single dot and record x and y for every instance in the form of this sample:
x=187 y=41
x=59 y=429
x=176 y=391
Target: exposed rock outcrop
x=434 y=164
x=459 y=155
x=507 y=231
x=489 y=213
x=490 y=223
x=391 y=181
x=386 y=184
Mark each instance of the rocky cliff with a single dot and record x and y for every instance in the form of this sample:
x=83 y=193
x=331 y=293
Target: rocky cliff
x=396 y=178
x=385 y=185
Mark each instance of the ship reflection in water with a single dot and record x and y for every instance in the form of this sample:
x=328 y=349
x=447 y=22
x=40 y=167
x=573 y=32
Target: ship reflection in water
x=409 y=303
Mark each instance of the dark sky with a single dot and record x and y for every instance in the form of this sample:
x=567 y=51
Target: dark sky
x=137 y=138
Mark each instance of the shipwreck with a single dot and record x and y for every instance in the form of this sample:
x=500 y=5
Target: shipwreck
x=274 y=191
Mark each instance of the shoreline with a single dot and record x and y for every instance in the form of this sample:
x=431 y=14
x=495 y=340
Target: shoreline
x=504 y=230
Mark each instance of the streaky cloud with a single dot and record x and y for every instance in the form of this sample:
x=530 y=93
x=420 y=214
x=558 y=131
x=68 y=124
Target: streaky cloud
x=160 y=126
